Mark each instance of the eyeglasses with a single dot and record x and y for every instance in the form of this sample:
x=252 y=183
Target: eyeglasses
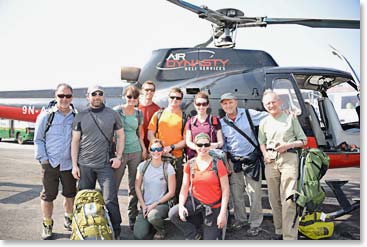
x=149 y=89
x=203 y=145
x=130 y=97
x=202 y=104
x=160 y=149
x=97 y=93
x=61 y=96
x=176 y=97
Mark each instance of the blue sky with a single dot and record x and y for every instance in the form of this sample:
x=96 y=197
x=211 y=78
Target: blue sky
x=82 y=42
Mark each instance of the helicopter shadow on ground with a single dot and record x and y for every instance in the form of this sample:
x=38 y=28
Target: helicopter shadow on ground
x=17 y=197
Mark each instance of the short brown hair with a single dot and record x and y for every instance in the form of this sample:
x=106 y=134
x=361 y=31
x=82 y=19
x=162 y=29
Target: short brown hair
x=176 y=90
x=149 y=82
x=133 y=89
x=201 y=95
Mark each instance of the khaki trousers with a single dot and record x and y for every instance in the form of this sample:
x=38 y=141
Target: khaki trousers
x=238 y=184
x=281 y=177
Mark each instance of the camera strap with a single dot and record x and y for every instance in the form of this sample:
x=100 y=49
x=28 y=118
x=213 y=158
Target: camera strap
x=95 y=121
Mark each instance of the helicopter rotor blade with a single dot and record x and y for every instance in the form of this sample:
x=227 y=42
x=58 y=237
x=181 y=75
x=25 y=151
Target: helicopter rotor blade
x=202 y=12
x=315 y=23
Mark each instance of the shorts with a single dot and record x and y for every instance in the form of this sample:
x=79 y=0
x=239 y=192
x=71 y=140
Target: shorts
x=50 y=180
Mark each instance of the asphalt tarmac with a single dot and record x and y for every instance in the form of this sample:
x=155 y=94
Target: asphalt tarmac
x=20 y=214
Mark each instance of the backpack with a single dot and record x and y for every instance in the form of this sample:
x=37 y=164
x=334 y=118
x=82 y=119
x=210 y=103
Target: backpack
x=90 y=217
x=191 y=163
x=213 y=122
x=137 y=112
x=316 y=225
x=309 y=194
x=159 y=114
x=51 y=109
x=165 y=159
x=313 y=166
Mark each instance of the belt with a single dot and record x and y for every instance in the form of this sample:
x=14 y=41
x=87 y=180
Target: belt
x=292 y=150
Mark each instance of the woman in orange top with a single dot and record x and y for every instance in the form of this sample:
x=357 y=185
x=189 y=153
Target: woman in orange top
x=208 y=184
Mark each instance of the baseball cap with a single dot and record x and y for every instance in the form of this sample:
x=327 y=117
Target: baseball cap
x=94 y=88
x=227 y=96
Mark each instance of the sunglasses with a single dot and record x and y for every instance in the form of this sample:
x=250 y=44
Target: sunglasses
x=61 y=96
x=149 y=89
x=130 y=97
x=176 y=97
x=160 y=149
x=203 y=145
x=97 y=93
x=202 y=104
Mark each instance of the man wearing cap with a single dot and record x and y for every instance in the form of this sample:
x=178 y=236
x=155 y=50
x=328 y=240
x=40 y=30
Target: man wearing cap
x=93 y=129
x=239 y=148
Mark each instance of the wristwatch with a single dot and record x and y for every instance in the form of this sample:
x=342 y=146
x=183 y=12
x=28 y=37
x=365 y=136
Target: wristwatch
x=172 y=146
x=119 y=157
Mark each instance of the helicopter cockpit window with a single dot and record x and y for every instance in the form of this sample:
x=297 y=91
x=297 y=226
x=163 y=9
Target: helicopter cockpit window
x=284 y=88
x=345 y=101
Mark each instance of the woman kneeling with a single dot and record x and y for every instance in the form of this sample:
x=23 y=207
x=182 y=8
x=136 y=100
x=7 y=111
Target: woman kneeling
x=207 y=181
x=159 y=183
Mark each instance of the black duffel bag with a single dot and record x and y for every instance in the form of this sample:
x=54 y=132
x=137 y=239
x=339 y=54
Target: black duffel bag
x=251 y=164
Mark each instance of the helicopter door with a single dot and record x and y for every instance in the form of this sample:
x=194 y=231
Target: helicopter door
x=293 y=101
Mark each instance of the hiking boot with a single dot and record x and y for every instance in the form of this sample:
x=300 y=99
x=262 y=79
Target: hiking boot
x=47 y=231
x=254 y=231
x=277 y=237
x=237 y=225
x=160 y=235
x=67 y=223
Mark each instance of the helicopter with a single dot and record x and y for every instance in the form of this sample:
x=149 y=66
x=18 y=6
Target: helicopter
x=247 y=73
x=309 y=92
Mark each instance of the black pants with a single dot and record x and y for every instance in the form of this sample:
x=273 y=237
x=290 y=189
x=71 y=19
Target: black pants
x=189 y=228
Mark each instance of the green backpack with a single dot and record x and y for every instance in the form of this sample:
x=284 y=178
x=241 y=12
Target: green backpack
x=313 y=166
x=90 y=217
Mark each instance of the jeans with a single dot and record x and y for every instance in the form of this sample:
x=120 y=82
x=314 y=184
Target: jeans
x=106 y=180
x=145 y=228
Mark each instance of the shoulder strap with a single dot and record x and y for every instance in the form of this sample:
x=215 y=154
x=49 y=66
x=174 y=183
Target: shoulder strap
x=249 y=119
x=215 y=166
x=159 y=114
x=95 y=121
x=50 y=118
x=231 y=124
x=145 y=167
x=183 y=116
x=165 y=172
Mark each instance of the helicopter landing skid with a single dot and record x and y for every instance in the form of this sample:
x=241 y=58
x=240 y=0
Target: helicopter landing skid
x=346 y=206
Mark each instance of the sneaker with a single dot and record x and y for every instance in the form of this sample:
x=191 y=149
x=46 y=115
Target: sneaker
x=47 y=231
x=254 y=231
x=67 y=223
x=237 y=225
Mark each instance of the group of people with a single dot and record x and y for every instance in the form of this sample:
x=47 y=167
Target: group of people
x=171 y=171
